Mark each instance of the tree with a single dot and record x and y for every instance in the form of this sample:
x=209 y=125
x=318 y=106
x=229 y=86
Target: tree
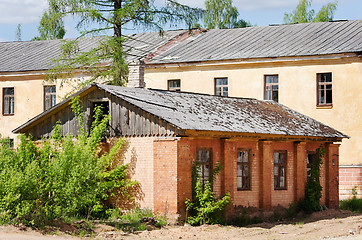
x=303 y=14
x=18 y=33
x=222 y=14
x=51 y=26
x=98 y=16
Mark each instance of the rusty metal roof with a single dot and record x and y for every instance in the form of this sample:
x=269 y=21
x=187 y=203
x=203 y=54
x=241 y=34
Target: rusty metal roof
x=191 y=111
x=305 y=39
x=38 y=55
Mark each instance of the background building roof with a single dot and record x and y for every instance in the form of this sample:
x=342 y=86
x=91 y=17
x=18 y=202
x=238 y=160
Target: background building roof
x=38 y=55
x=303 y=39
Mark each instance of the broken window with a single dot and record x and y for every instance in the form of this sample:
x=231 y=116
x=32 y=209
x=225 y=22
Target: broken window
x=280 y=168
x=49 y=97
x=271 y=87
x=243 y=170
x=324 y=85
x=203 y=158
x=221 y=87
x=8 y=101
x=311 y=157
x=174 y=85
x=103 y=106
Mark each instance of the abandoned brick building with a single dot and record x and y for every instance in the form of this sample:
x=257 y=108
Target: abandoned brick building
x=263 y=145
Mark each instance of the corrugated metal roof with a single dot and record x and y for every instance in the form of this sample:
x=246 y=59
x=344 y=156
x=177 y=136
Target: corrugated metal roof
x=303 y=39
x=191 y=111
x=37 y=55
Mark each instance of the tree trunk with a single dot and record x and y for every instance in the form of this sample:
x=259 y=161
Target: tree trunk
x=117 y=21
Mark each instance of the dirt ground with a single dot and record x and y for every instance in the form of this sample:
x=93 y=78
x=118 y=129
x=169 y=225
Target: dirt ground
x=322 y=225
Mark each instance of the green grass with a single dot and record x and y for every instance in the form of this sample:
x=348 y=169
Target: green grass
x=353 y=204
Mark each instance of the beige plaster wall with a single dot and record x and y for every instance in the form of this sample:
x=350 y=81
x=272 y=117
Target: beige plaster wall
x=29 y=98
x=297 y=89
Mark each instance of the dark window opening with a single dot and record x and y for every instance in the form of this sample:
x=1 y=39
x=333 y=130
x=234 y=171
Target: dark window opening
x=311 y=157
x=280 y=168
x=8 y=101
x=203 y=158
x=104 y=107
x=271 y=88
x=49 y=97
x=221 y=87
x=243 y=170
x=324 y=85
x=174 y=85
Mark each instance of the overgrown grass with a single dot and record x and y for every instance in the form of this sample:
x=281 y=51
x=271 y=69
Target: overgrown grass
x=353 y=204
x=136 y=220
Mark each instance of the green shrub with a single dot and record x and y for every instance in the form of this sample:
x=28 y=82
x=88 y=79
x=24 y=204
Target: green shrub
x=64 y=178
x=313 y=188
x=353 y=204
x=206 y=208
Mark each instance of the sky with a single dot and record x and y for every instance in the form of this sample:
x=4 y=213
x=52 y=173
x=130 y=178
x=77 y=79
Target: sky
x=257 y=12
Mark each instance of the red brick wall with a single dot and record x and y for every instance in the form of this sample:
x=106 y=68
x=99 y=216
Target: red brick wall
x=165 y=176
x=350 y=177
x=244 y=197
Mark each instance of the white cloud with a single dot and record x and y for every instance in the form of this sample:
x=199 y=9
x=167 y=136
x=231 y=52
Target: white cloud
x=21 y=11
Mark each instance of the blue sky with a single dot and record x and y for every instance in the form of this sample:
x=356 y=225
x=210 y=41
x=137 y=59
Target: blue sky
x=258 y=12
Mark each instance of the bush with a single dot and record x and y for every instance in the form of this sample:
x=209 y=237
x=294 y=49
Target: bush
x=353 y=204
x=313 y=188
x=64 y=178
x=205 y=207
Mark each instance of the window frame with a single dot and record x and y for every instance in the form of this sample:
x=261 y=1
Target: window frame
x=284 y=165
x=176 y=89
x=271 y=85
x=310 y=164
x=319 y=83
x=9 y=97
x=221 y=86
x=248 y=164
x=202 y=164
x=49 y=94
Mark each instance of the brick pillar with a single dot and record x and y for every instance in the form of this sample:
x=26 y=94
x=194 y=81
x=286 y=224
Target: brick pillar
x=332 y=173
x=136 y=74
x=300 y=170
x=266 y=174
x=165 y=177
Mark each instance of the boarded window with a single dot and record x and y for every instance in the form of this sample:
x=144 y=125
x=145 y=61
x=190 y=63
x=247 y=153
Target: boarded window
x=174 y=85
x=203 y=158
x=221 y=87
x=49 y=97
x=271 y=88
x=8 y=101
x=324 y=85
x=243 y=170
x=280 y=170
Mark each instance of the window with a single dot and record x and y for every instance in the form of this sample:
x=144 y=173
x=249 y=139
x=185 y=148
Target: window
x=243 y=170
x=203 y=157
x=324 y=86
x=104 y=106
x=221 y=87
x=280 y=166
x=8 y=101
x=271 y=87
x=174 y=85
x=310 y=161
x=49 y=97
